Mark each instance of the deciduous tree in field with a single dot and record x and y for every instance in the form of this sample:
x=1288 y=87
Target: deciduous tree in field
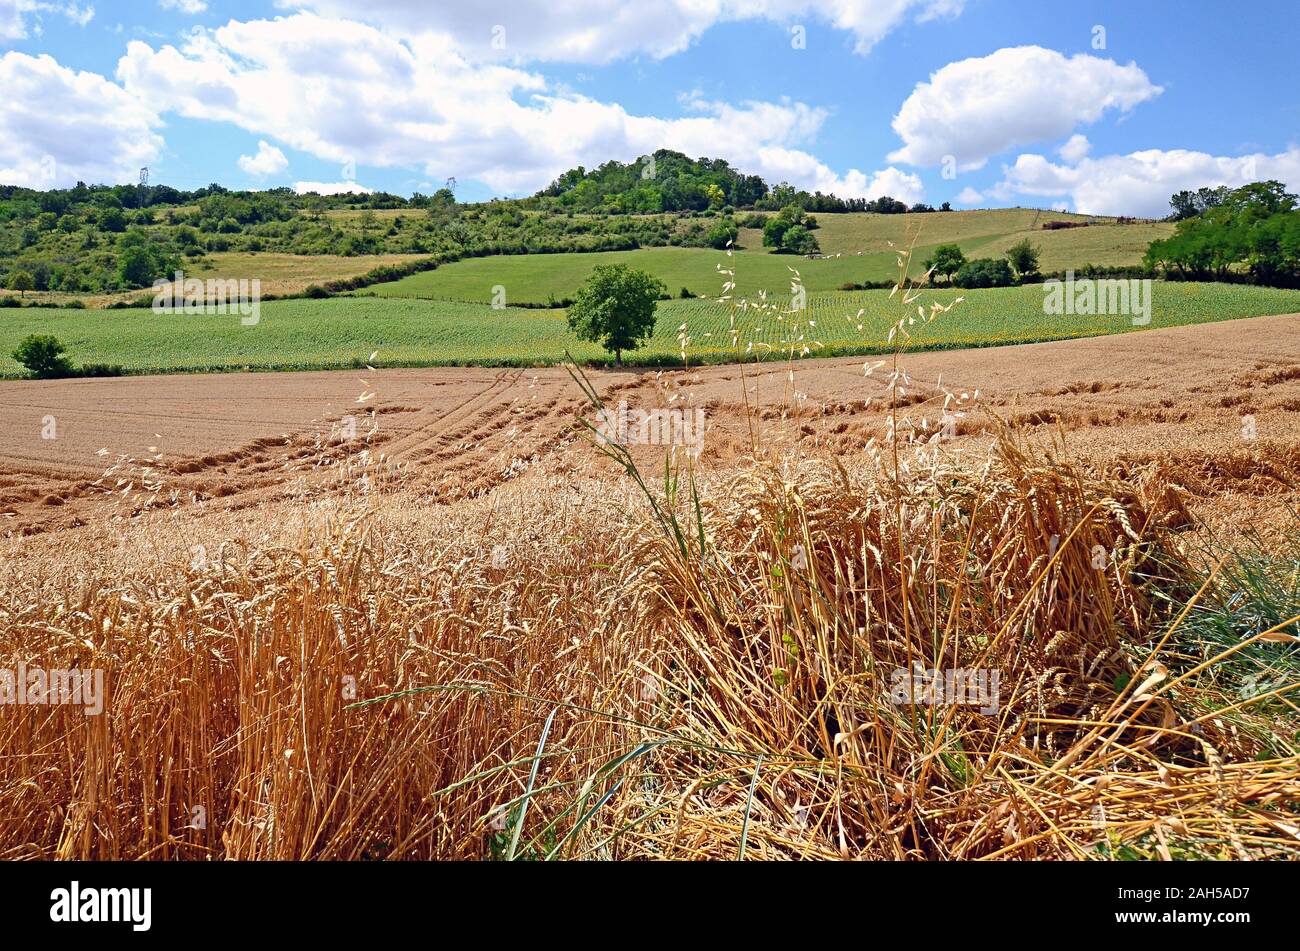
x=946 y=260
x=43 y=357
x=616 y=308
x=1024 y=258
x=22 y=282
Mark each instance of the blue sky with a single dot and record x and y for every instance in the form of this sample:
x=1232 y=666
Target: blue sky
x=1097 y=107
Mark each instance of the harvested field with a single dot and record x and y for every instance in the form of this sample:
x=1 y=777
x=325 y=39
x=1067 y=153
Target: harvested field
x=353 y=636
x=1177 y=393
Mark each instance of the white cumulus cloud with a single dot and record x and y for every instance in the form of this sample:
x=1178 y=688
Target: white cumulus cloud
x=184 y=6
x=1076 y=149
x=331 y=188
x=799 y=168
x=350 y=93
x=268 y=161
x=1140 y=183
x=599 y=31
x=15 y=13
x=976 y=108
x=58 y=126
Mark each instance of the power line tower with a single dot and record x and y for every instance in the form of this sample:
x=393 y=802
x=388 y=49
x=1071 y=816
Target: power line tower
x=451 y=184
x=144 y=177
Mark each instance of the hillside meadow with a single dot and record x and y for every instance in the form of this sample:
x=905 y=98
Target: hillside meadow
x=856 y=248
x=541 y=278
x=280 y=274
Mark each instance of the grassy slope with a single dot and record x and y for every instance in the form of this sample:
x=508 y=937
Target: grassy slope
x=292 y=273
x=279 y=273
x=1075 y=247
x=533 y=278
x=875 y=232
x=536 y=278
x=342 y=332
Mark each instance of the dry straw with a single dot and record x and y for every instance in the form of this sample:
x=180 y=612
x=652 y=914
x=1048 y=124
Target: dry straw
x=685 y=664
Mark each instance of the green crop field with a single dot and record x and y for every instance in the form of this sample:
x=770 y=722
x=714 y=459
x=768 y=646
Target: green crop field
x=537 y=278
x=859 y=322
x=856 y=249
x=343 y=332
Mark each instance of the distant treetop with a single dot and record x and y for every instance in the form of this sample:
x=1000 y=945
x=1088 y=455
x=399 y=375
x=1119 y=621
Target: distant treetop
x=671 y=181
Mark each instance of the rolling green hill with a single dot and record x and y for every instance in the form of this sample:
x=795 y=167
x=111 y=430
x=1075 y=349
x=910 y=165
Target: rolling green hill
x=537 y=278
x=856 y=248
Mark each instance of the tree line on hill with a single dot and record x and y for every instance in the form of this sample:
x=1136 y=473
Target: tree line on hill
x=1247 y=234
x=666 y=181
x=105 y=239
x=1018 y=266
x=1224 y=234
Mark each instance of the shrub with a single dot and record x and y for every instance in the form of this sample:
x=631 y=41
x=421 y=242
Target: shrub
x=985 y=272
x=1023 y=256
x=101 y=369
x=774 y=231
x=43 y=357
x=799 y=240
x=22 y=282
x=947 y=260
x=722 y=234
x=137 y=267
x=112 y=220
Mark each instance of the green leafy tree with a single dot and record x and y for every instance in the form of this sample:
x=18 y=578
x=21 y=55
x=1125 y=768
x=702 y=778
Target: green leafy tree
x=141 y=261
x=723 y=232
x=774 y=231
x=789 y=232
x=43 y=357
x=616 y=308
x=1274 y=255
x=946 y=261
x=1023 y=257
x=1253 y=227
x=1189 y=204
x=799 y=240
x=775 y=228
x=986 y=272
x=112 y=220
x=136 y=266
x=22 y=282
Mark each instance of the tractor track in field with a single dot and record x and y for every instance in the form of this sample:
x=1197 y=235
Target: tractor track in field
x=1191 y=395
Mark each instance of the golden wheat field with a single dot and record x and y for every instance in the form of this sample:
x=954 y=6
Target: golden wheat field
x=445 y=619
